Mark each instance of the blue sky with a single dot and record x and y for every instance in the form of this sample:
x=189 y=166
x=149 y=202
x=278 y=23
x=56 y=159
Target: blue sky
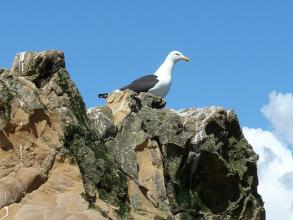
x=240 y=51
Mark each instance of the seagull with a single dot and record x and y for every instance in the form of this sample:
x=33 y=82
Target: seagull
x=157 y=84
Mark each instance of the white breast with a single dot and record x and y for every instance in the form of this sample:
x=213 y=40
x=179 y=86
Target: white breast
x=163 y=86
x=164 y=74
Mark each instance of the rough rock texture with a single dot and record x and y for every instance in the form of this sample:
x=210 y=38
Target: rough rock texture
x=41 y=113
x=130 y=159
x=58 y=198
x=188 y=164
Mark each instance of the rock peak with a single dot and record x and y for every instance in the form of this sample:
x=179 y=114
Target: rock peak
x=36 y=66
x=123 y=103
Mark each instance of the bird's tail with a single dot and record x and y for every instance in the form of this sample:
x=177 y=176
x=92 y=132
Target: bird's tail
x=103 y=95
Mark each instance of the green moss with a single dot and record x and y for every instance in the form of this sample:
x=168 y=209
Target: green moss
x=123 y=211
x=76 y=102
x=187 y=199
x=5 y=106
x=99 y=172
x=186 y=216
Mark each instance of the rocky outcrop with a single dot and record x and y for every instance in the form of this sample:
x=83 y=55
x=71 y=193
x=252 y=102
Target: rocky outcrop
x=130 y=159
x=188 y=164
x=43 y=115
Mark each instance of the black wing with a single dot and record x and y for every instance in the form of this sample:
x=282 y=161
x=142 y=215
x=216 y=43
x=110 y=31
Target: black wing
x=142 y=84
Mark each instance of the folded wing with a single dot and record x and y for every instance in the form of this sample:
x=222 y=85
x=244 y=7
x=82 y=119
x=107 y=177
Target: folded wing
x=142 y=84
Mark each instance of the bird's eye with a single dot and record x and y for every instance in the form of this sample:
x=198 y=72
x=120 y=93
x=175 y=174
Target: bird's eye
x=177 y=54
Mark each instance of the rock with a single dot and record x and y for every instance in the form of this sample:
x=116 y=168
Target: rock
x=42 y=112
x=101 y=119
x=58 y=198
x=5 y=97
x=37 y=67
x=130 y=159
x=190 y=164
x=123 y=103
x=29 y=140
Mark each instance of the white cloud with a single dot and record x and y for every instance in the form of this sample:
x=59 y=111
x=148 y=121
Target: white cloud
x=275 y=165
x=280 y=113
x=287 y=179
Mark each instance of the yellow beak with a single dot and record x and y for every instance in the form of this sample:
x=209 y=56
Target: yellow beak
x=186 y=59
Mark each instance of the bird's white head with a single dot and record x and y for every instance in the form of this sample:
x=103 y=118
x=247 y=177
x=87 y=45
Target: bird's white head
x=176 y=56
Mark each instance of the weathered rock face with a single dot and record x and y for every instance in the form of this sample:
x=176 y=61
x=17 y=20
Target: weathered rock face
x=189 y=164
x=42 y=115
x=130 y=159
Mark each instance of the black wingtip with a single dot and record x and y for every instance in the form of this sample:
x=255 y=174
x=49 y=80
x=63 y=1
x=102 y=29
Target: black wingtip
x=103 y=95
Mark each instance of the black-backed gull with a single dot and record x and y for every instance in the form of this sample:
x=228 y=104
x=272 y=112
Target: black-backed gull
x=159 y=83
